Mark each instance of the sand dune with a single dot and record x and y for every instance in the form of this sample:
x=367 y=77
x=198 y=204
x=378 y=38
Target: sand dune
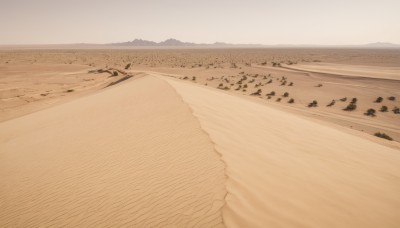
x=132 y=155
x=159 y=152
x=286 y=171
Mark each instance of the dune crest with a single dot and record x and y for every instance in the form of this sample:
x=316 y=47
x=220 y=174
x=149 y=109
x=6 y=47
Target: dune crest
x=132 y=155
x=287 y=171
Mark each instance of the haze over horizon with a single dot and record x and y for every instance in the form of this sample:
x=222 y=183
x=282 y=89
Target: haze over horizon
x=251 y=22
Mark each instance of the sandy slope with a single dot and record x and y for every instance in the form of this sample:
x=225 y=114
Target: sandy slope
x=131 y=155
x=286 y=171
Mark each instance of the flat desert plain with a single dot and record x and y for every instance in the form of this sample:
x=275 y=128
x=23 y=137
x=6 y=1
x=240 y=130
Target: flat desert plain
x=199 y=137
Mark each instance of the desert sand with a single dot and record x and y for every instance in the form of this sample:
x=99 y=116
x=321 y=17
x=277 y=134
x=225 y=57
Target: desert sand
x=127 y=156
x=194 y=138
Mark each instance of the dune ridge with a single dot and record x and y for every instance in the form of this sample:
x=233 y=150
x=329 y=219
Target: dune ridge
x=130 y=155
x=282 y=173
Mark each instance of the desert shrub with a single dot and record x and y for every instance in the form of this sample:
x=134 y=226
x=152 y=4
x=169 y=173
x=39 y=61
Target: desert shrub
x=275 y=64
x=115 y=73
x=193 y=78
x=343 y=99
x=396 y=110
x=70 y=91
x=370 y=112
x=270 y=81
x=185 y=78
x=353 y=101
x=264 y=63
x=245 y=86
x=313 y=104
x=279 y=99
x=319 y=85
x=283 y=83
x=291 y=101
x=127 y=66
x=331 y=104
x=378 y=100
x=251 y=81
x=290 y=84
x=384 y=108
x=239 y=87
x=272 y=93
x=286 y=94
x=383 y=135
x=257 y=93
x=350 y=107
x=391 y=98
x=268 y=97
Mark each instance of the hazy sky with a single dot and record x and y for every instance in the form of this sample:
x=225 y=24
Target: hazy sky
x=203 y=21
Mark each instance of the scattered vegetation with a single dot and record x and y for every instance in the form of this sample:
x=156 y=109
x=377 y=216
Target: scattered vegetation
x=391 y=98
x=370 y=112
x=290 y=84
x=272 y=93
x=396 y=110
x=383 y=135
x=291 y=101
x=379 y=100
x=279 y=99
x=313 y=104
x=70 y=91
x=319 y=85
x=115 y=73
x=384 y=108
x=331 y=104
x=343 y=99
x=127 y=66
x=350 y=107
x=257 y=93
x=286 y=94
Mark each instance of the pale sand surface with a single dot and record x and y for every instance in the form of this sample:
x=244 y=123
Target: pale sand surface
x=350 y=70
x=286 y=171
x=132 y=155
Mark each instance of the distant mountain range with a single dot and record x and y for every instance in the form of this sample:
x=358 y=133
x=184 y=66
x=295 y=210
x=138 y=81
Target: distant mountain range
x=178 y=43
